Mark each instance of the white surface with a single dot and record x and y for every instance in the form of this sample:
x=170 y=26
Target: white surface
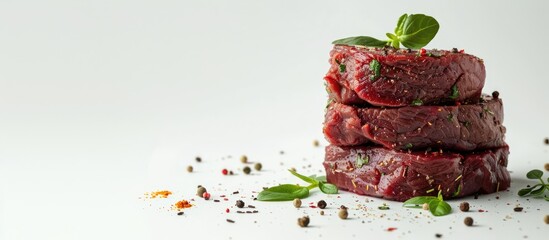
x=101 y=101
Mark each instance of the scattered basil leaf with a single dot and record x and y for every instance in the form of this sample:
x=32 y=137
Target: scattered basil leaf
x=416 y=202
x=288 y=192
x=408 y=146
x=534 y=174
x=538 y=189
x=327 y=188
x=439 y=207
x=524 y=191
x=455 y=92
x=285 y=192
x=360 y=41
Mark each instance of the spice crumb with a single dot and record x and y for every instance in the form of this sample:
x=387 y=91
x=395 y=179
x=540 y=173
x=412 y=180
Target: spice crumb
x=321 y=213
x=316 y=143
x=198 y=159
x=438 y=235
x=230 y=220
x=180 y=213
x=546 y=141
x=517 y=209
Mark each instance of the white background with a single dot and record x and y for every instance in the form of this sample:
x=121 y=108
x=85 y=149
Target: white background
x=101 y=101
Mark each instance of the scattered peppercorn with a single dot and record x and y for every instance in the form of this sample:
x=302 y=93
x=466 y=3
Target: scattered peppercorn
x=247 y=170
x=343 y=207
x=425 y=206
x=303 y=221
x=258 y=166
x=189 y=168
x=244 y=159
x=468 y=221
x=343 y=214
x=293 y=169
x=198 y=159
x=546 y=141
x=495 y=94
x=454 y=50
x=546 y=219
x=200 y=191
x=517 y=209
x=438 y=235
x=546 y=166
x=297 y=203
x=206 y=195
x=464 y=206
x=321 y=204
x=180 y=213
x=227 y=210
x=316 y=143
x=321 y=213
x=239 y=203
x=229 y=220
x=225 y=171
x=231 y=172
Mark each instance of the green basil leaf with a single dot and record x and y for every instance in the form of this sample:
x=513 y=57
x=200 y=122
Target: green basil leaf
x=455 y=92
x=360 y=160
x=327 y=188
x=360 y=41
x=375 y=68
x=457 y=192
x=538 y=190
x=285 y=192
x=534 y=174
x=524 y=191
x=546 y=198
x=304 y=178
x=439 y=196
x=417 y=102
x=439 y=207
x=418 y=30
x=400 y=24
x=416 y=202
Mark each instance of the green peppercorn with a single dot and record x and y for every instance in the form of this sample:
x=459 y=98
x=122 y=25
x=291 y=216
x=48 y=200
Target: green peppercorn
x=258 y=166
x=200 y=191
x=247 y=170
x=297 y=203
x=343 y=214
x=244 y=159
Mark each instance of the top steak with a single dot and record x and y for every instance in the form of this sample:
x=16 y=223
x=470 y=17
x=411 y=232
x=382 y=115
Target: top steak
x=399 y=77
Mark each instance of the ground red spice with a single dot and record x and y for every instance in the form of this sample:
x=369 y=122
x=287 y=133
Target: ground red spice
x=159 y=194
x=182 y=204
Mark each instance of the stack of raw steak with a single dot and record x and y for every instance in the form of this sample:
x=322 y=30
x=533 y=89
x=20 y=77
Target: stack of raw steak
x=405 y=123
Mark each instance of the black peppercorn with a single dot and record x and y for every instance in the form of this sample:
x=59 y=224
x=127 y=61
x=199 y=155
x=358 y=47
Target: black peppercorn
x=495 y=94
x=303 y=221
x=454 y=50
x=198 y=159
x=321 y=204
x=239 y=203
x=247 y=170
x=468 y=221
x=464 y=206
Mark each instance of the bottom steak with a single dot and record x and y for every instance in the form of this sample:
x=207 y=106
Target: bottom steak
x=401 y=175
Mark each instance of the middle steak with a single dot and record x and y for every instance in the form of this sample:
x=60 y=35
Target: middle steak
x=460 y=128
